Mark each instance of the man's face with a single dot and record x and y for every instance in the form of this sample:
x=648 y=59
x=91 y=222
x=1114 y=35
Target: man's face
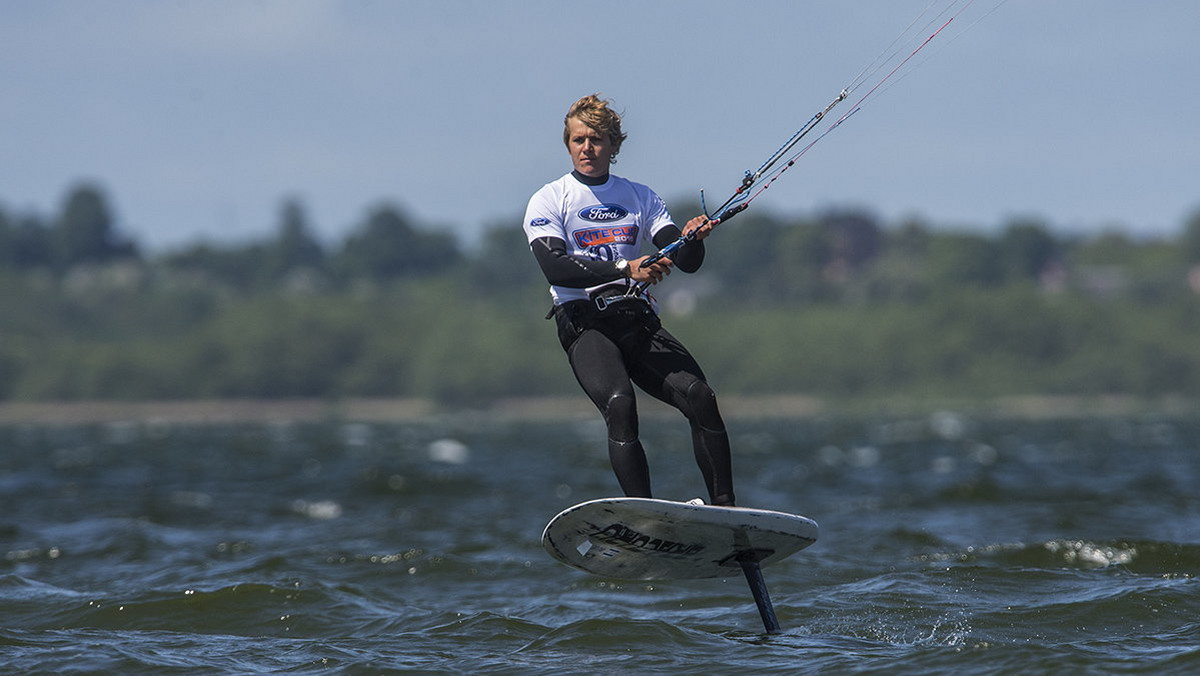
x=591 y=152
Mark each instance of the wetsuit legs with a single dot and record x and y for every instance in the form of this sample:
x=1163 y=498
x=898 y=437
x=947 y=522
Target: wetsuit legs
x=710 y=443
x=600 y=370
x=670 y=373
x=629 y=464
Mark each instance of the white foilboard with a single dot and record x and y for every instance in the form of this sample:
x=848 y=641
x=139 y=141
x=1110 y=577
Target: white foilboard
x=646 y=539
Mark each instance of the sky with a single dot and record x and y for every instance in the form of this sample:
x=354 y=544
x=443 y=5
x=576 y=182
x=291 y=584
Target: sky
x=198 y=118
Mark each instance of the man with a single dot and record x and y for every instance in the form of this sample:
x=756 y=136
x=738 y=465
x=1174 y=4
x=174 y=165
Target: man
x=587 y=231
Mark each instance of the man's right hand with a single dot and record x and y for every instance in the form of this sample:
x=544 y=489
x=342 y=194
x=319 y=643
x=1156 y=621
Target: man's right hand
x=651 y=274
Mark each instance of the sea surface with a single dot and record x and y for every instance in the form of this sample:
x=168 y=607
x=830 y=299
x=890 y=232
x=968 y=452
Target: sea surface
x=950 y=544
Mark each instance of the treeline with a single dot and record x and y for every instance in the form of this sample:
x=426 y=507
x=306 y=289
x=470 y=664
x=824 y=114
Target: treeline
x=833 y=304
x=83 y=236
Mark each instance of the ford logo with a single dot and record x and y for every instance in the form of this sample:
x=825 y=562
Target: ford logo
x=603 y=213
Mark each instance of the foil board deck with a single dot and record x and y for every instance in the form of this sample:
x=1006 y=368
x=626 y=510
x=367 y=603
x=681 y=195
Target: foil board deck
x=649 y=539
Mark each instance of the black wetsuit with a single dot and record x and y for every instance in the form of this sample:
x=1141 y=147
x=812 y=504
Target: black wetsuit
x=624 y=344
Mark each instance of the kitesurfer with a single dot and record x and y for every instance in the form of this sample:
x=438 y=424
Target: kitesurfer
x=587 y=230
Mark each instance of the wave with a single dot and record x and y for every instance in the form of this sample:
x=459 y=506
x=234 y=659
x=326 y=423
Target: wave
x=1140 y=557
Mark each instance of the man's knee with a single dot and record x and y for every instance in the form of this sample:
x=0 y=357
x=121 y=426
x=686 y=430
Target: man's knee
x=620 y=413
x=702 y=406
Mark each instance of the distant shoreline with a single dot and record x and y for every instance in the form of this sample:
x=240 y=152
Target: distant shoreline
x=383 y=410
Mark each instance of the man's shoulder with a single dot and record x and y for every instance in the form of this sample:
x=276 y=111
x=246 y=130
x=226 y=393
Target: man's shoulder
x=557 y=185
x=641 y=190
x=551 y=192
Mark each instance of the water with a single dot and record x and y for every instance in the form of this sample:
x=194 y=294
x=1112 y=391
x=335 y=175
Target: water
x=948 y=545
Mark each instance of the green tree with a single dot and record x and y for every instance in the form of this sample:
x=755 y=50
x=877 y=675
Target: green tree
x=503 y=261
x=295 y=247
x=25 y=243
x=1189 y=242
x=898 y=273
x=1026 y=248
x=802 y=265
x=387 y=246
x=963 y=259
x=1107 y=248
x=84 y=232
x=855 y=237
x=239 y=267
x=737 y=252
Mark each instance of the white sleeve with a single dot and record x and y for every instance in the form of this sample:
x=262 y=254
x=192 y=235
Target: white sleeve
x=657 y=216
x=543 y=215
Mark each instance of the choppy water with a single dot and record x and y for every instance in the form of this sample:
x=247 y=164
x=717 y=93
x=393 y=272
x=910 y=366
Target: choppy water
x=947 y=546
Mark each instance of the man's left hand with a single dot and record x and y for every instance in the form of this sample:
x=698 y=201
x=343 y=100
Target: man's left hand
x=700 y=227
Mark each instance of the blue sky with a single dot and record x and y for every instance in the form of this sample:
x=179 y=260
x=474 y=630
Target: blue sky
x=198 y=117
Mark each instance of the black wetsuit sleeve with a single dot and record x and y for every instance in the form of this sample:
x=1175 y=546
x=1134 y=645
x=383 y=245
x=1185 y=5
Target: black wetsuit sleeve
x=563 y=269
x=690 y=256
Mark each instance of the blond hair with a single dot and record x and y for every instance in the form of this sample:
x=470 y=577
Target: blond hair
x=596 y=113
